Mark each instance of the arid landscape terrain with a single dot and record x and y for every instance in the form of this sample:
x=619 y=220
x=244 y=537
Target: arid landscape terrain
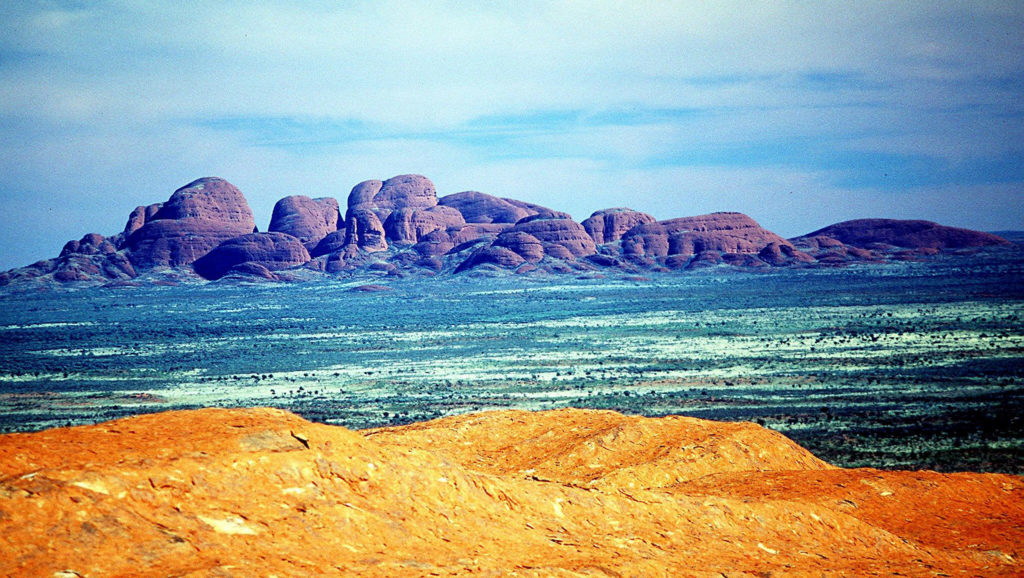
x=457 y=374
x=511 y=493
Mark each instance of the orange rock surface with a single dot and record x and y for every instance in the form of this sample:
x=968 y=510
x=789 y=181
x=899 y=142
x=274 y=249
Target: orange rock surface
x=262 y=492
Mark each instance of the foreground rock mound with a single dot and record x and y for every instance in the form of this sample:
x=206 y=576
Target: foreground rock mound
x=563 y=493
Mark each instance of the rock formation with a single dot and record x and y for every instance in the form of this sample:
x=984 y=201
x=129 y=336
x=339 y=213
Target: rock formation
x=560 y=493
x=609 y=225
x=197 y=218
x=558 y=231
x=308 y=220
x=708 y=239
x=407 y=226
x=270 y=251
x=477 y=207
x=400 y=227
x=877 y=233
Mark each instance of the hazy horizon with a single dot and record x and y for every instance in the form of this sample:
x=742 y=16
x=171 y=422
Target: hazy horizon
x=799 y=115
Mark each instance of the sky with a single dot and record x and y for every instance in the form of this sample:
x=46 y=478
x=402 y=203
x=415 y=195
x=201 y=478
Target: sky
x=799 y=114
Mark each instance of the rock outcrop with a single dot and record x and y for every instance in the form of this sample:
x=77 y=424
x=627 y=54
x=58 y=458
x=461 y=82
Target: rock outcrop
x=476 y=207
x=407 y=226
x=560 y=493
x=717 y=237
x=197 y=218
x=400 y=227
x=609 y=225
x=877 y=233
x=269 y=251
x=308 y=220
x=558 y=231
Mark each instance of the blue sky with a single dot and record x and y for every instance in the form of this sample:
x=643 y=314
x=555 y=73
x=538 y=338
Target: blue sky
x=799 y=114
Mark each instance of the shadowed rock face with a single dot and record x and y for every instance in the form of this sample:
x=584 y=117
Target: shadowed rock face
x=610 y=224
x=197 y=218
x=139 y=217
x=271 y=251
x=331 y=243
x=869 y=233
x=492 y=255
x=523 y=244
x=308 y=220
x=364 y=230
x=557 y=493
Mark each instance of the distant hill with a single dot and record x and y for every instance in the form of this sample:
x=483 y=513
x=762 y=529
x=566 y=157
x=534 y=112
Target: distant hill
x=400 y=227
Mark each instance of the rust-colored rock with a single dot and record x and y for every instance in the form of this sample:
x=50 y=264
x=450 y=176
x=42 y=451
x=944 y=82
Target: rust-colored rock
x=710 y=239
x=434 y=243
x=197 y=218
x=363 y=229
x=781 y=254
x=609 y=225
x=334 y=241
x=871 y=233
x=409 y=226
x=139 y=217
x=558 y=231
x=271 y=251
x=477 y=207
x=560 y=493
x=492 y=255
x=308 y=220
x=523 y=244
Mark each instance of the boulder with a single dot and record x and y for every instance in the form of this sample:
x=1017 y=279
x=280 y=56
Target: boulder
x=406 y=192
x=91 y=244
x=274 y=251
x=308 y=220
x=609 y=225
x=198 y=217
x=477 y=207
x=401 y=192
x=474 y=231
